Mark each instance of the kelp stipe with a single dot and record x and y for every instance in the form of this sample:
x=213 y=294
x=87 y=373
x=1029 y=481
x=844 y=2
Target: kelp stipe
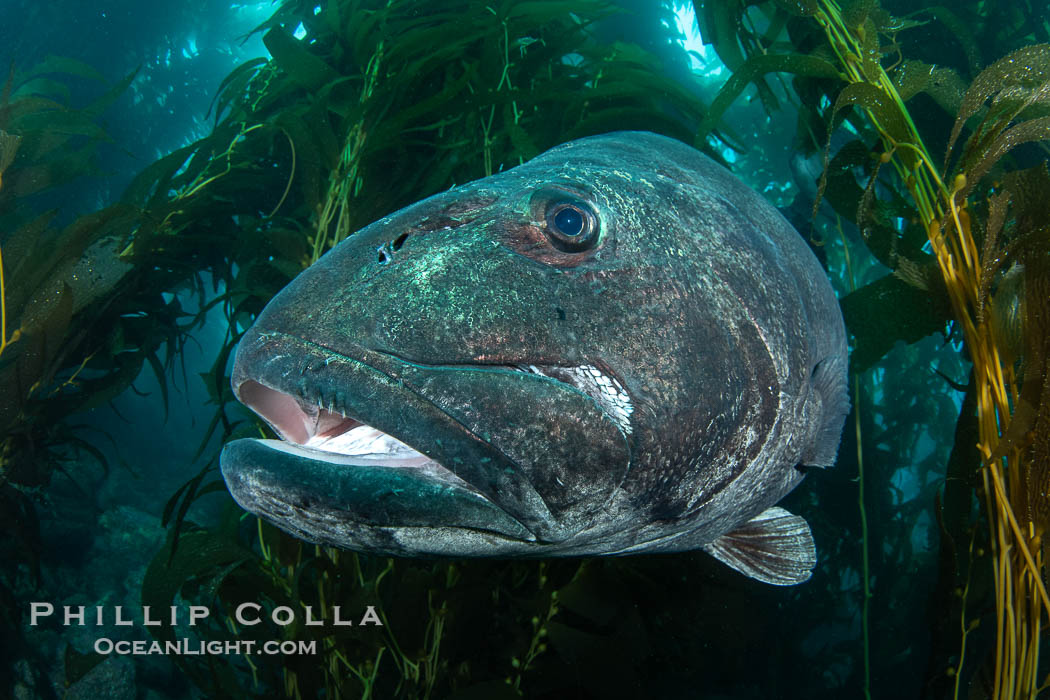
x=967 y=276
x=989 y=257
x=1016 y=513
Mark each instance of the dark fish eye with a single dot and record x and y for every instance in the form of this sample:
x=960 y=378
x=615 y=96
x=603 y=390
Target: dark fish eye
x=572 y=226
x=569 y=221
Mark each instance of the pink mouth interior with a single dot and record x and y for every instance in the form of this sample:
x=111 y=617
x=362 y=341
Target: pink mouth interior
x=330 y=436
x=288 y=418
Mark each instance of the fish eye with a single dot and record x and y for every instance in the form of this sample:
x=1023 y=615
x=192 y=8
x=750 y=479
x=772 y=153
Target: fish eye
x=572 y=226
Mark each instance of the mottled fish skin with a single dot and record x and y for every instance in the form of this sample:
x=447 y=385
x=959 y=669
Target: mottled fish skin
x=460 y=327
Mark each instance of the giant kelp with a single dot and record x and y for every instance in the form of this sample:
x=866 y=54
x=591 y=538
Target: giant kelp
x=983 y=236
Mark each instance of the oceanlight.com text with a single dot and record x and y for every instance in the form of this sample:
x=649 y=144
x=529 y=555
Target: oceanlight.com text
x=191 y=647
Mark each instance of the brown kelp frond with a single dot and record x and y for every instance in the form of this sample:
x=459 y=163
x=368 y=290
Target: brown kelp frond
x=1025 y=132
x=753 y=70
x=1017 y=81
x=728 y=28
x=991 y=260
x=1008 y=313
x=1032 y=434
x=913 y=275
x=941 y=83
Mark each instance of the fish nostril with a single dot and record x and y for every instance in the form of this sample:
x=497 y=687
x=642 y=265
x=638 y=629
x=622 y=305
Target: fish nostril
x=385 y=255
x=400 y=241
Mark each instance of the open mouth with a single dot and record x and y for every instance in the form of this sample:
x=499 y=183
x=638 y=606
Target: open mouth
x=375 y=447
x=315 y=432
x=318 y=428
x=326 y=434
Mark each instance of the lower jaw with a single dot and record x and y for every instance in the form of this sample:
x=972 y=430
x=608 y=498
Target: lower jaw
x=299 y=488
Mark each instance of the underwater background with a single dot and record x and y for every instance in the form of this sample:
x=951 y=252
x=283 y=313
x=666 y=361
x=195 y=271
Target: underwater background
x=167 y=167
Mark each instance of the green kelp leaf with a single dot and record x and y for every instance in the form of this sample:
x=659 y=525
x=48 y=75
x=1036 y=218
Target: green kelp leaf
x=44 y=326
x=719 y=22
x=68 y=122
x=961 y=470
x=34 y=178
x=882 y=109
x=837 y=183
x=390 y=129
x=329 y=143
x=43 y=87
x=889 y=310
x=78 y=665
x=857 y=12
x=19 y=251
x=103 y=102
x=963 y=33
x=92 y=393
x=292 y=56
x=1029 y=198
x=76 y=238
x=155 y=180
x=48 y=313
x=1029 y=66
x=942 y=84
x=330 y=15
x=754 y=68
x=342 y=97
x=360 y=33
x=234 y=86
x=184 y=497
x=94 y=452
x=64 y=65
x=201 y=553
x=870 y=52
x=524 y=146
x=308 y=175
x=1025 y=132
x=425 y=62
x=19 y=109
x=40 y=261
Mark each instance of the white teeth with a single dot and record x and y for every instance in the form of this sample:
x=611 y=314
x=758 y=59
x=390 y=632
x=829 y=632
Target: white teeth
x=364 y=441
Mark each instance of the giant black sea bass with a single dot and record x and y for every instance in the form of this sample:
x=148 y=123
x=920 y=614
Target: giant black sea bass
x=614 y=348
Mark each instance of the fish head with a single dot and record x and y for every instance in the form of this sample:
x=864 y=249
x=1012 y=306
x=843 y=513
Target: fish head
x=517 y=366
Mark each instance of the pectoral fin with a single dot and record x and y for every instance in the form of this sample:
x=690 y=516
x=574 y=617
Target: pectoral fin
x=774 y=547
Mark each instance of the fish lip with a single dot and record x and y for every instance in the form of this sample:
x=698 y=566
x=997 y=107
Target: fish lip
x=554 y=371
x=310 y=499
x=268 y=368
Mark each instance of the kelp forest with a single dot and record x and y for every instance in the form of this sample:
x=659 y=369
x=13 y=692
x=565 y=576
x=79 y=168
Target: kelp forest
x=925 y=128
